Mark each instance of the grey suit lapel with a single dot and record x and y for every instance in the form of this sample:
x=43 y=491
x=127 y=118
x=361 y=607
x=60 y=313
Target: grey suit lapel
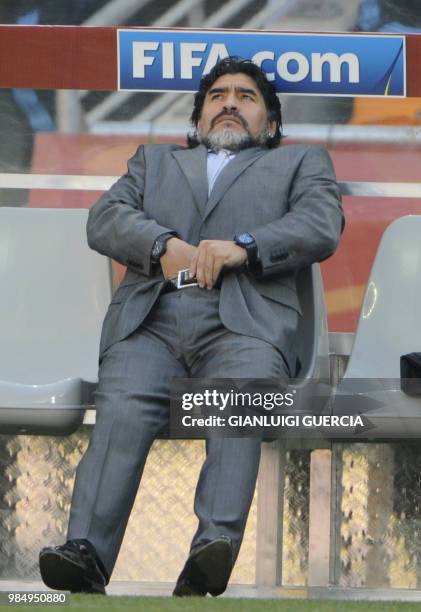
x=193 y=163
x=230 y=174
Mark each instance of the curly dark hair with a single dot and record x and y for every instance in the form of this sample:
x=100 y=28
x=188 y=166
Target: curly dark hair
x=235 y=65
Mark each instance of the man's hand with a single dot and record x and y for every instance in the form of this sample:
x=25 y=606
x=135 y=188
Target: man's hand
x=178 y=256
x=213 y=255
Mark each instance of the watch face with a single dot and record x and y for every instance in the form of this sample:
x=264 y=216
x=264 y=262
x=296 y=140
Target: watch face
x=245 y=238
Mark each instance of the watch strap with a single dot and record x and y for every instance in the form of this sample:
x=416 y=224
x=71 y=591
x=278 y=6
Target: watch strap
x=159 y=247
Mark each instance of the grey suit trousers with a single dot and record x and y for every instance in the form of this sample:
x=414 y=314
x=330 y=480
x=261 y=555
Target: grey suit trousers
x=182 y=337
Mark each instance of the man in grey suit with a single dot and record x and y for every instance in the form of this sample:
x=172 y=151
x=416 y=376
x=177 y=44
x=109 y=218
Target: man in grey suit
x=243 y=215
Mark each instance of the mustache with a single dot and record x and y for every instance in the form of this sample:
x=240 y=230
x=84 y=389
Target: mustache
x=229 y=114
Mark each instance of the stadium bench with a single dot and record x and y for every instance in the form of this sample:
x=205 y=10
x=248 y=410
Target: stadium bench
x=57 y=294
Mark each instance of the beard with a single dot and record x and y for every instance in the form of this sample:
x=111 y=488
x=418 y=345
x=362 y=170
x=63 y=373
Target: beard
x=233 y=140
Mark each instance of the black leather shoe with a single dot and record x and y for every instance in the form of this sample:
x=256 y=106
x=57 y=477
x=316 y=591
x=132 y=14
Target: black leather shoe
x=207 y=569
x=73 y=567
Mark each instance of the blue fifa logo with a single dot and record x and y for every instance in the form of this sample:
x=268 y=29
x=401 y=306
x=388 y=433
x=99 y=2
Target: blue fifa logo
x=312 y=64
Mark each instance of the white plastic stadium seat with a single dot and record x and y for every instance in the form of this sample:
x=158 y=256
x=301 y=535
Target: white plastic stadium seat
x=55 y=292
x=312 y=343
x=389 y=326
x=312 y=338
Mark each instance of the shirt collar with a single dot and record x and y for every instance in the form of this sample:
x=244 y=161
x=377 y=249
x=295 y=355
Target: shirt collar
x=227 y=152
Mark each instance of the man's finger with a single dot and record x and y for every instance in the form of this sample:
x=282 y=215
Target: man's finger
x=208 y=268
x=217 y=268
x=193 y=264
x=200 y=267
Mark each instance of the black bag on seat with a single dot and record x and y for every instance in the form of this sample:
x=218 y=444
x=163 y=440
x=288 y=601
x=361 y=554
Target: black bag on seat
x=411 y=373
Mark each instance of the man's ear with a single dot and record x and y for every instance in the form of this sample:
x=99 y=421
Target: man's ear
x=272 y=127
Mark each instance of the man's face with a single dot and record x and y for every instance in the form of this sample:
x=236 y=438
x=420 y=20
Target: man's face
x=234 y=112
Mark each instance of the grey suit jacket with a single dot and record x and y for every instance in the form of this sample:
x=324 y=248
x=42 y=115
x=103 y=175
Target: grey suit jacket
x=287 y=198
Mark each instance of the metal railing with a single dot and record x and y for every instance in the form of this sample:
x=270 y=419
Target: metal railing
x=72 y=182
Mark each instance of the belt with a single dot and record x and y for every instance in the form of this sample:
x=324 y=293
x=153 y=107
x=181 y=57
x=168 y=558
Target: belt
x=180 y=281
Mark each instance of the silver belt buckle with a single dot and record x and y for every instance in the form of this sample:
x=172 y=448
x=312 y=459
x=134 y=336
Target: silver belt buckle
x=184 y=280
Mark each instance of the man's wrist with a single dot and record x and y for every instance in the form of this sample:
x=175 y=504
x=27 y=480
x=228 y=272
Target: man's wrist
x=159 y=247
